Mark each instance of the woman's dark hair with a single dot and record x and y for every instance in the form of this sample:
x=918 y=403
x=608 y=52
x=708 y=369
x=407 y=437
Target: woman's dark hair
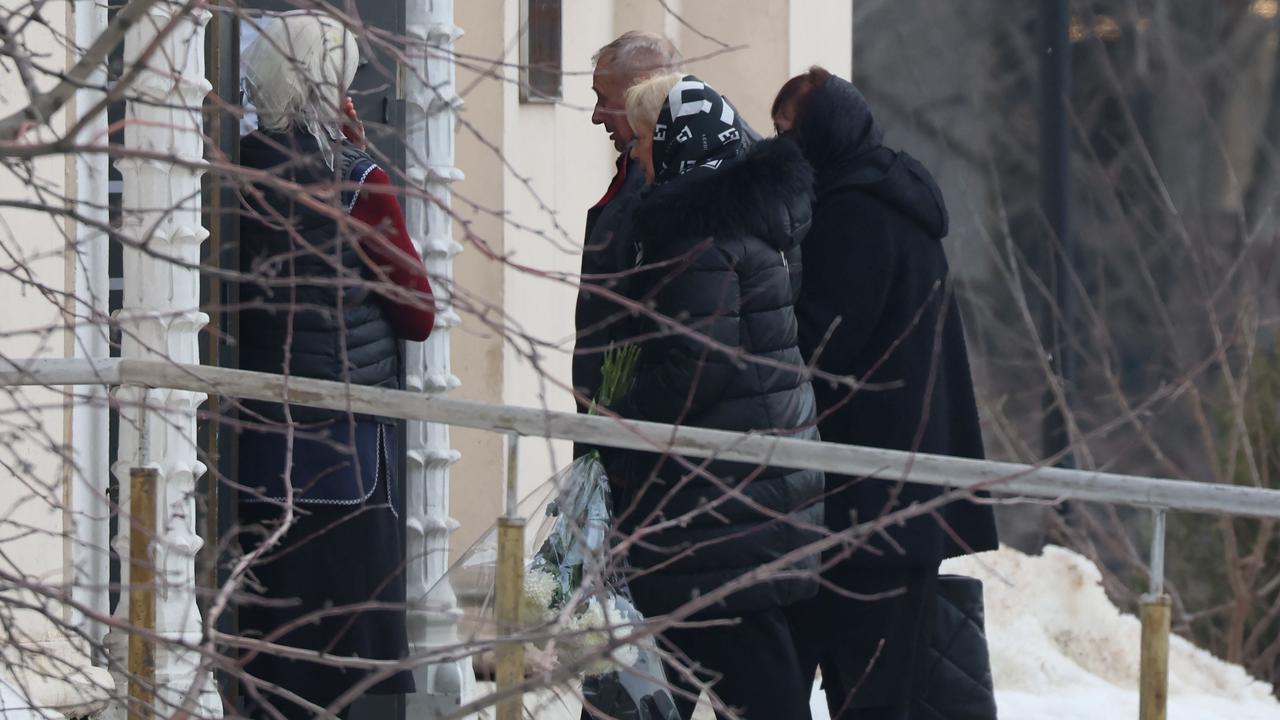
x=795 y=92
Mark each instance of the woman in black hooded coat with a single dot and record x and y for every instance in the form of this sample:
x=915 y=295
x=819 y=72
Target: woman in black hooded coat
x=877 y=305
x=716 y=238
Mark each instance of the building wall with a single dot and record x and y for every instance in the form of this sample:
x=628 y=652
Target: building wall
x=544 y=165
x=767 y=43
x=35 y=422
x=477 y=347
x=42 y=460
x=31 y=326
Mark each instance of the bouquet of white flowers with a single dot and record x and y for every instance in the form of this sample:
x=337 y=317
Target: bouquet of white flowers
x=572 y=587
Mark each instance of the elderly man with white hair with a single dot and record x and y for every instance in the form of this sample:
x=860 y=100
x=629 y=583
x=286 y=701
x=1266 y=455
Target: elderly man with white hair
x=606 y=251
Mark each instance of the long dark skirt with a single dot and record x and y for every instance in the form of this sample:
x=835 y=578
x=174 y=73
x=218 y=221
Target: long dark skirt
x=334 y=560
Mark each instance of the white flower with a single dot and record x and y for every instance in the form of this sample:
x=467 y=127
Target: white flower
x=540 y=589
x=595 y=627
x=589 y=618
x=624 y=656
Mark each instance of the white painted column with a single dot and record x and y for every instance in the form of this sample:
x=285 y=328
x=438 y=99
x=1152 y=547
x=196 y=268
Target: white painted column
x=431 y=100
x=160 y=318
x=90 y=511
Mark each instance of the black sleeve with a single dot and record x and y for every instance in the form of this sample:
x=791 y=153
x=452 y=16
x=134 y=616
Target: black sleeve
x=607 y=255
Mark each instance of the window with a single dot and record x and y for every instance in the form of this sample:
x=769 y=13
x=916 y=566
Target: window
x=540 y=62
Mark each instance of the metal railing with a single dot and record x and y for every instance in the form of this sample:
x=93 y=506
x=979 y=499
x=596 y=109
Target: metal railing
x=1002 y=478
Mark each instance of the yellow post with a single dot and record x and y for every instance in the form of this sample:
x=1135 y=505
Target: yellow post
x=1153 y=669
x=1153 y=698
x=142 y=593
x=509 y=656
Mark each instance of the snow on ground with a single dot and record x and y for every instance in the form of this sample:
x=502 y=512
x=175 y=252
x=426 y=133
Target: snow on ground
x=1061 y=651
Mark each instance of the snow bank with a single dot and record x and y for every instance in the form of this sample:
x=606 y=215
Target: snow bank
x=1061 y=651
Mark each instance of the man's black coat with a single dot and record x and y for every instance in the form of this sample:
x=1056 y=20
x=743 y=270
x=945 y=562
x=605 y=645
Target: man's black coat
x=877 y=305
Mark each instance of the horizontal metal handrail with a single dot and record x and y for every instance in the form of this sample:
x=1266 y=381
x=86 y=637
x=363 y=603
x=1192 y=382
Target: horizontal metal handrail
x=1005 y=478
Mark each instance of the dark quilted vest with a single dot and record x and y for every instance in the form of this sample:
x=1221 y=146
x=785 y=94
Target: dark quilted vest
x=312 y=296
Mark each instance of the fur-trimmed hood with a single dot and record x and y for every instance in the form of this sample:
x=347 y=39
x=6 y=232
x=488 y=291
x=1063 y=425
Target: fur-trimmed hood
x=767 y=193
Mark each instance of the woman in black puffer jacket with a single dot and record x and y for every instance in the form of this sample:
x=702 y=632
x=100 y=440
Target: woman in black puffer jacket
x=717 y=238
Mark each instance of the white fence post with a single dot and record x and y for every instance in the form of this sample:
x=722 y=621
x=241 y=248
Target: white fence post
x=431 y=102
x=159 y=319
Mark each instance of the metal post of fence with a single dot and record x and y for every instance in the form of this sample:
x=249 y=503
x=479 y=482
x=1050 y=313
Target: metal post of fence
x=1153 y=678
x=142 y=593
x=509 y=656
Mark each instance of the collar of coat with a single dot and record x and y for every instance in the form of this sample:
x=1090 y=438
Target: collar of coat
x=767 y=193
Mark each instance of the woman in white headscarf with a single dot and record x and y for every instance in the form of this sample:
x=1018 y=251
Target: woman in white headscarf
x=337 y=285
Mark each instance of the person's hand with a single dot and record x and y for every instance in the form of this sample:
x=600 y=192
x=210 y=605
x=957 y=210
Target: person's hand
x=353 y=128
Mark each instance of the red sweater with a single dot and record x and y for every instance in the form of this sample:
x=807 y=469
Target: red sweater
x=393 y=251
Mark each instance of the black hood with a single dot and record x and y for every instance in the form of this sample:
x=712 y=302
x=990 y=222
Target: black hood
x=843 y=142
x=767 y=193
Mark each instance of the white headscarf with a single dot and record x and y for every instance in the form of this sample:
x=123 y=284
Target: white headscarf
x=296 y=72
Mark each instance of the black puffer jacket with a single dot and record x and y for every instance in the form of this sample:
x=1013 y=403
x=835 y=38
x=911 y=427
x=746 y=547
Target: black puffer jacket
x=607 y=252
x=716 y=250
x=877 y=300
x=313 y=296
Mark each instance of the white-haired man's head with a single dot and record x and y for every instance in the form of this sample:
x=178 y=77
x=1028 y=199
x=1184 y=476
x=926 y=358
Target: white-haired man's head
x=634 y=56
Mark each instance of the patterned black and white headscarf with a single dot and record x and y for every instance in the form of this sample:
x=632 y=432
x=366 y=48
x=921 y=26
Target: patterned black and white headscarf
x=695 y=131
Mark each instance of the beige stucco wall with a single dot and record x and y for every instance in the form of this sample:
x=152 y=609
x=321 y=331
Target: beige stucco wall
x=566 y=163
x=768 y=42
x=47 y=663
x=477 y=347
x=31 y=492
x=37 y=274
